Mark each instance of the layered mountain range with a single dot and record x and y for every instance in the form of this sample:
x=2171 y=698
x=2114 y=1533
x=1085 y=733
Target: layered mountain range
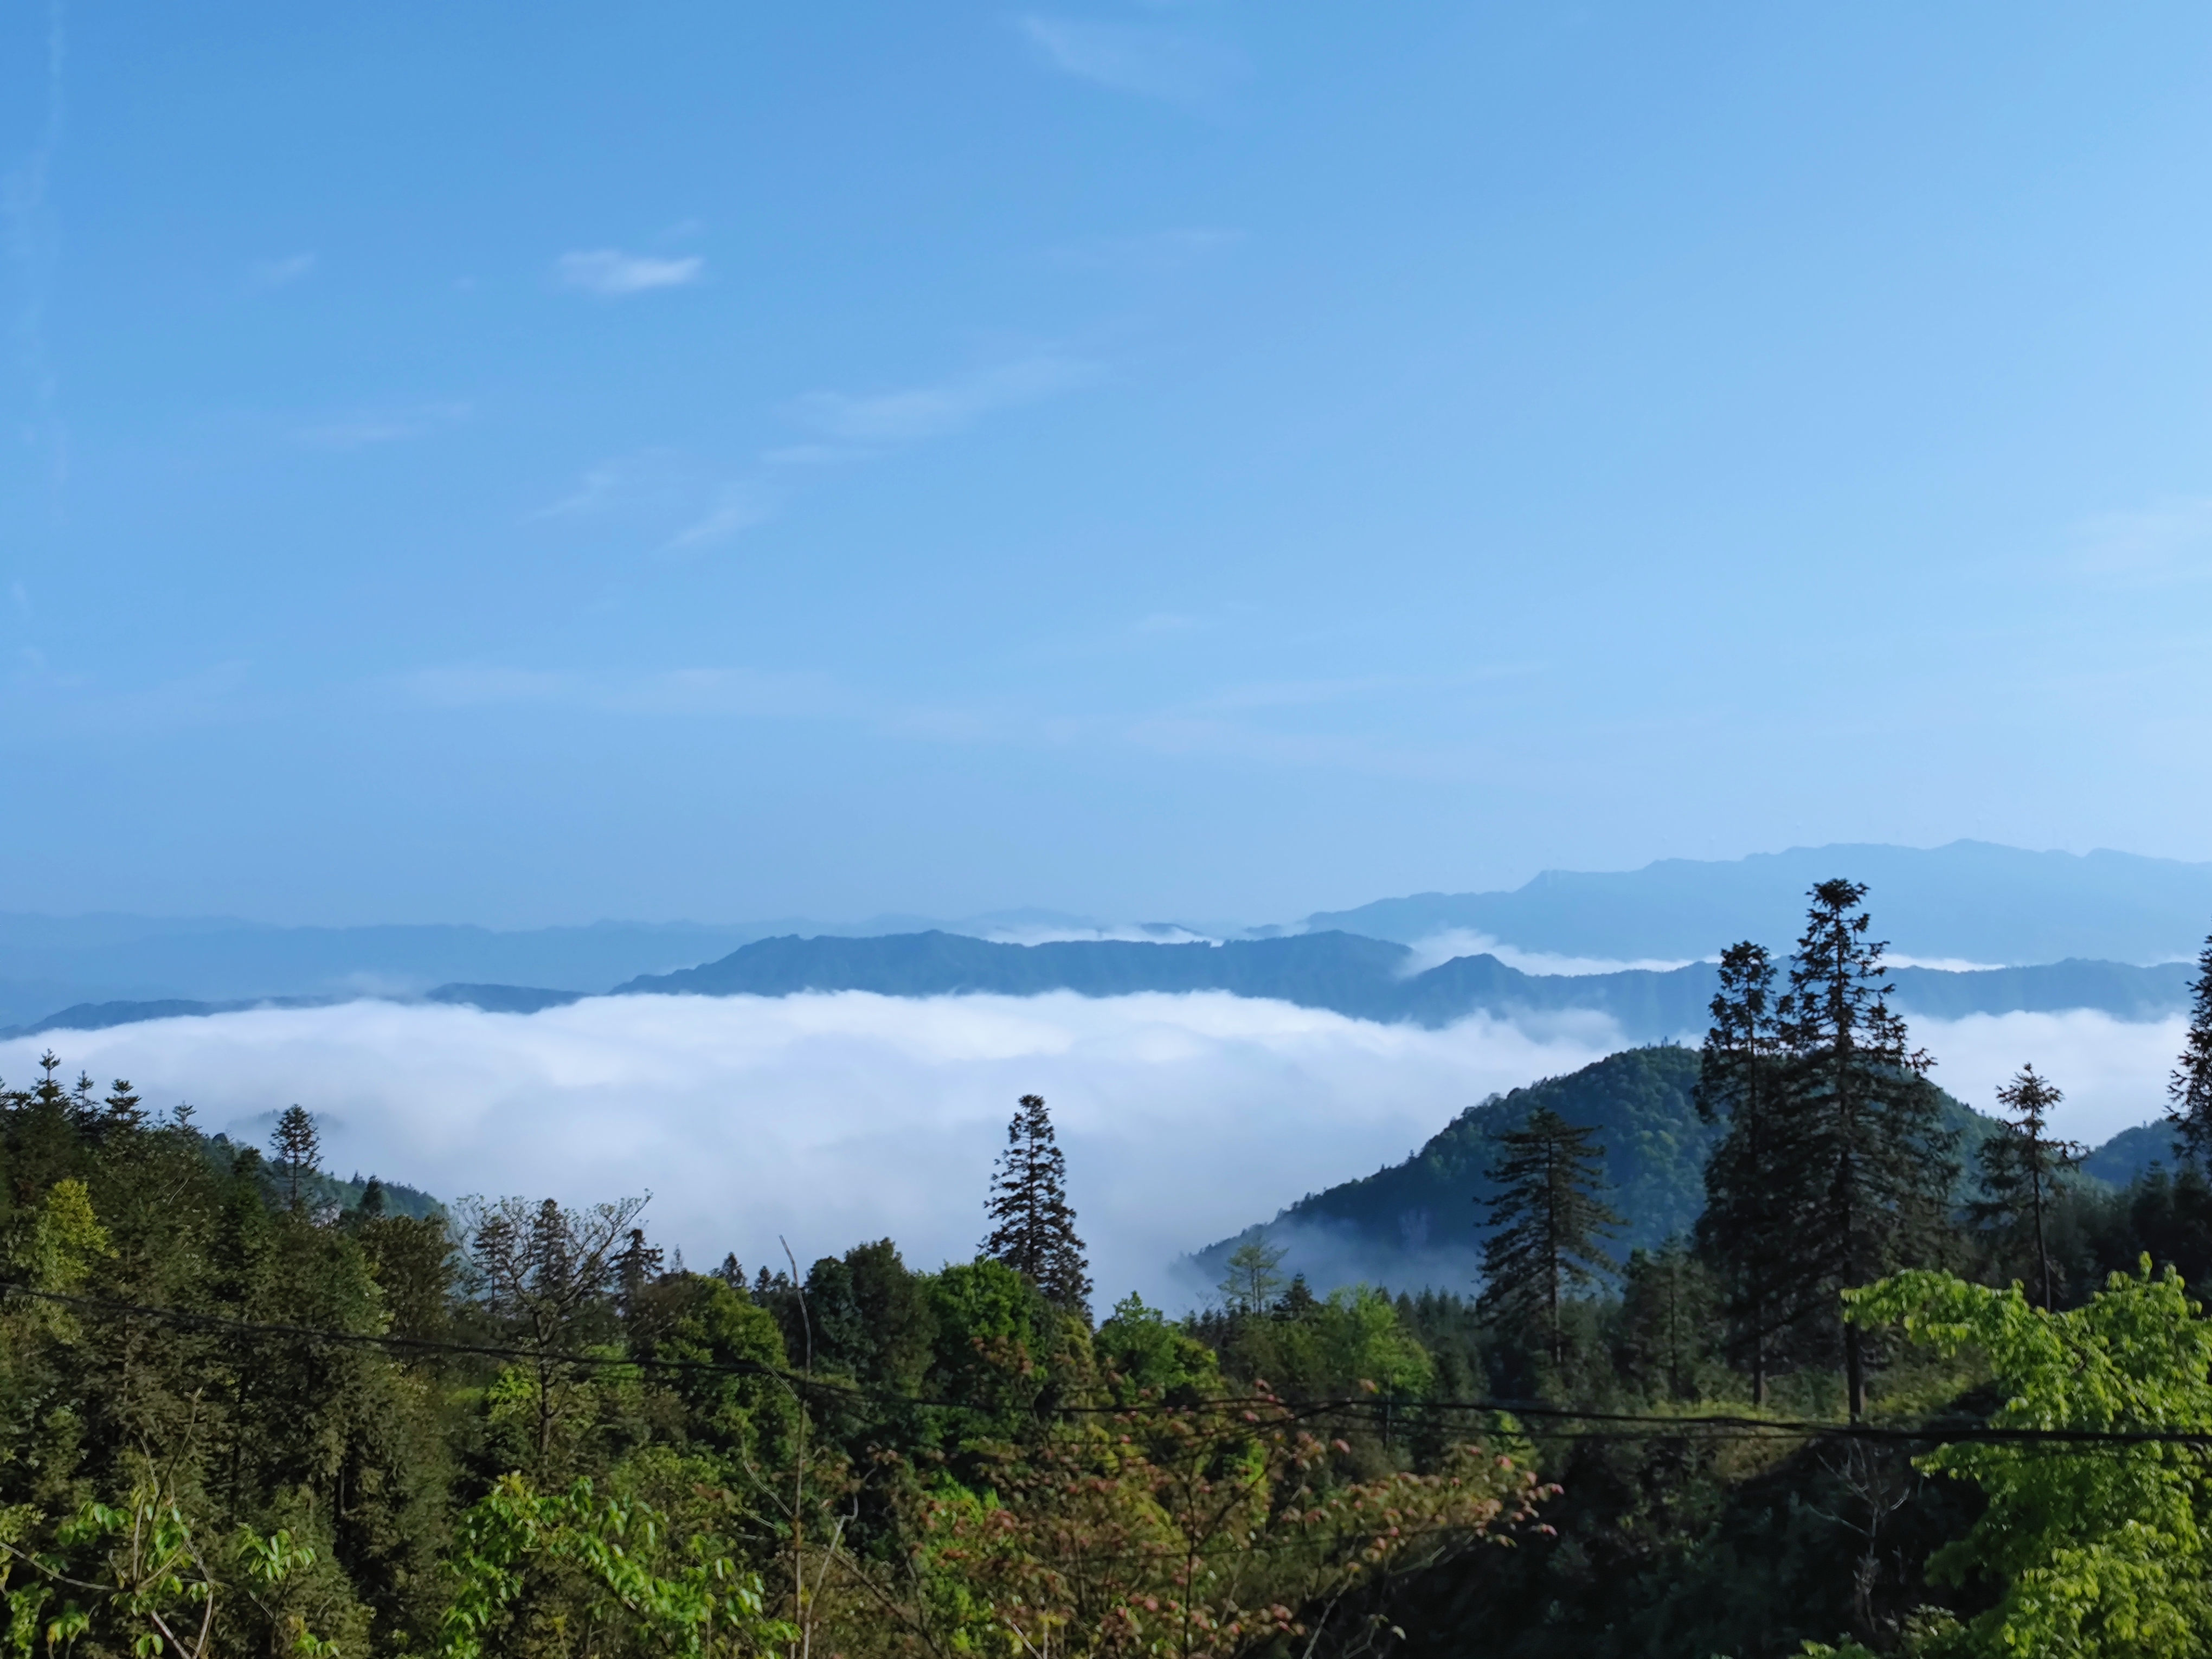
x=1981 y=929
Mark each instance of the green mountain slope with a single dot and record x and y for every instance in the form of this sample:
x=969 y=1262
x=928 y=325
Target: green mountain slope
x=1417 y=1223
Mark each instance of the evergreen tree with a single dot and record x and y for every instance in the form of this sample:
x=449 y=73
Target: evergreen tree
x=1032 y=1224
x=1869 y=1167
x=2189 y=1090
x=1546 y=1224
x=298 y=1148
x=1743 y=1232
x=2021 y=1166
x=1666 y=1315
x=126 y=1112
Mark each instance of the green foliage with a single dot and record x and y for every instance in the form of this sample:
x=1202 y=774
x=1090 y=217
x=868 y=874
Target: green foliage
x=2101 y=1551
x=1253 y=1275
x=1146 y=1356
x=529 y=1564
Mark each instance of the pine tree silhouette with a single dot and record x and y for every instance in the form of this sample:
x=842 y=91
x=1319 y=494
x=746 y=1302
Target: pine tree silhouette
x=2022 y=1167
x=1869 y=1166
x=2189 y=1090
x=1547 y=1220
x=1743 y=1232
x=1032 y=1224
x=297 y=1146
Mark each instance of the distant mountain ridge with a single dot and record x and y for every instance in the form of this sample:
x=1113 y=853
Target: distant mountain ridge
x=1360 y=978
x=1969 y=901
x=1363 y=978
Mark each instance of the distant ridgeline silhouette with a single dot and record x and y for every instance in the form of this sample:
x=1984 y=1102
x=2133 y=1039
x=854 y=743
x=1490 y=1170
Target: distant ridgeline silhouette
x=1970 y=901
x=1967 y=903
x=1344 y=973
x=1367 y=978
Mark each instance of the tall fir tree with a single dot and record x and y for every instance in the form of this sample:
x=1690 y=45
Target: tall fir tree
x=298 y=1146
x=1744 y=1232
x=1666 y=1320
x=2021 y=1167
x=1032 y=1224
x=1869 y=1166
x=2188 y=1092
x=1546 y=1223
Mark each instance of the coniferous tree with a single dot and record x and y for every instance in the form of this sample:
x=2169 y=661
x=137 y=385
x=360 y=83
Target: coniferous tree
x=2021 y=1167
x=1666 y=1318
x=2189 y=1093
x=1546 y=1223
x=1870 y=1166
x=126 y=1112
x=298 y=1148
x=1744 y=1232
x=1032 y=1224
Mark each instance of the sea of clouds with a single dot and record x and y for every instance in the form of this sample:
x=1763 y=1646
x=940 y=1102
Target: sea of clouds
x=825 y=1119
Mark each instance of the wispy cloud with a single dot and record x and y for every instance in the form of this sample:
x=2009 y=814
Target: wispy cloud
x=707 y=504
x=368 y=427
x=740 y=692
x=613 y=273
x=1145 y=60
x=913 y=413
x=2170 y=540
x=660 y=488
x=738 y=507
x=1156 y=253
x=647 y=478
x=476 y=687
x=280 y=273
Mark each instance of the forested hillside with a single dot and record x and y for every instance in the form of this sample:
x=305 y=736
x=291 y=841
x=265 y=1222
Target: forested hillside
x=1419 y=1223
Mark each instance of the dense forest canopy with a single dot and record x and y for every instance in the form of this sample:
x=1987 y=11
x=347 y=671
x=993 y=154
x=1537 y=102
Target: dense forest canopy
x=1874 y=1385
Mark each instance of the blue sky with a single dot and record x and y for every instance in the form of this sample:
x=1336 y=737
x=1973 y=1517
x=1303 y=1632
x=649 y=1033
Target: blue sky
x=530 y=465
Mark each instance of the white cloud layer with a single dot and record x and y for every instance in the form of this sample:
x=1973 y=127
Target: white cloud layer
x=2113 y=1072
x=831 y=1119
x=1442 y=947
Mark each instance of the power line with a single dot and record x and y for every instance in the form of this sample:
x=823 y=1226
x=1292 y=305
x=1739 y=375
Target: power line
x=1620 y=1426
